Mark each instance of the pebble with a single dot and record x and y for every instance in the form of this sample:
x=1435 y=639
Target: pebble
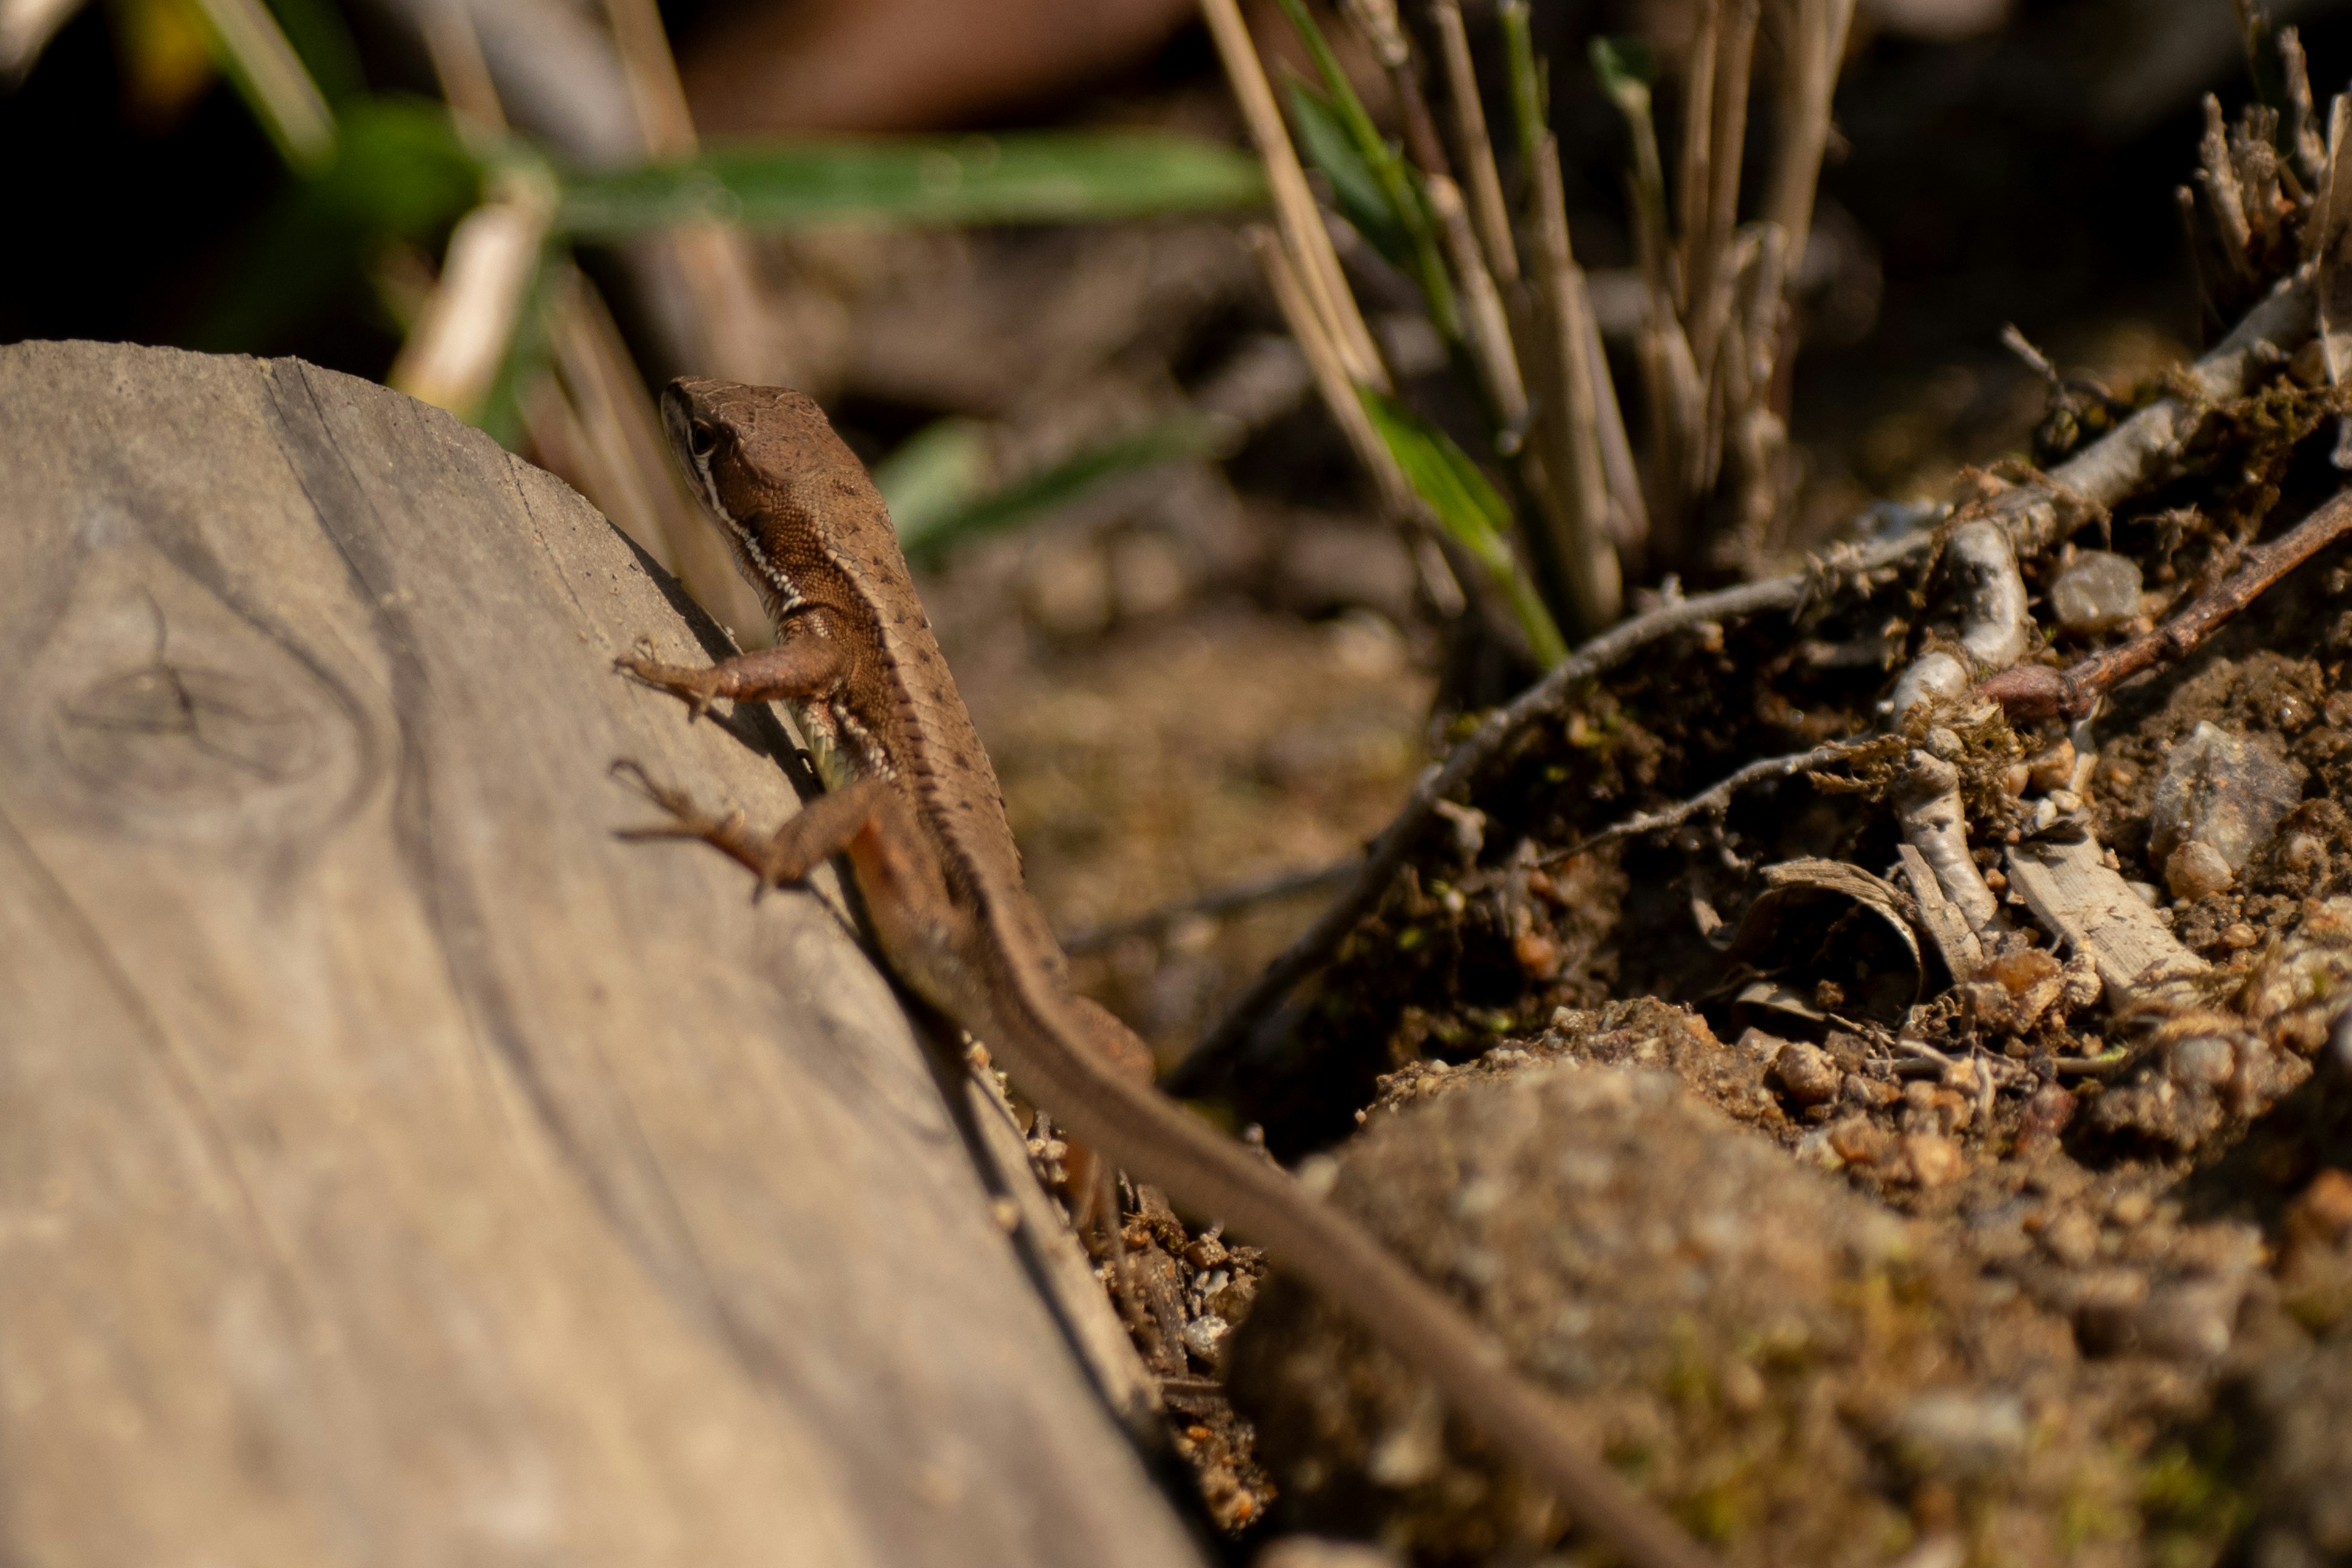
x=2096 y=592
x=2196 y=869
x=2200 y=1058
x=2224 y=791
x=1960 y=1432
x=1808 y=1074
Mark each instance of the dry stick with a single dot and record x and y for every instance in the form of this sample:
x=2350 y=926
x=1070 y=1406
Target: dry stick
x=2038 y=691
x=1713 y=800
x=2115 y=466
x=1321 y=283
x=1324 y=363
x=1474 y=146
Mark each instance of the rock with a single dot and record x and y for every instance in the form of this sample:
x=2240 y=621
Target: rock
x=1807 y=1074
x=1961 y=1432
x=2096 y=592
x=2196 y=871
x=2224 y=791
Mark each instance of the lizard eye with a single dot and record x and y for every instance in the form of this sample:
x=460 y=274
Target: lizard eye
x=701 y=438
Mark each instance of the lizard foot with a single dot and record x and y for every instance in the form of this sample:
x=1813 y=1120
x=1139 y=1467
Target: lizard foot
x=776 y=859
x=698 y=688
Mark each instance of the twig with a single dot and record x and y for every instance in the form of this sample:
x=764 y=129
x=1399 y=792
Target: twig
x=1222 y=900
x=1715 y=799
x=2120 y=463
x=2038 y=691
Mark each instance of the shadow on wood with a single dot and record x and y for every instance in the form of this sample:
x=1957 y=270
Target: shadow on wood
x=394 y=1167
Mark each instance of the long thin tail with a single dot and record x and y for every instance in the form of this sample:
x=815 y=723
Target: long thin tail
x=1203 y=1170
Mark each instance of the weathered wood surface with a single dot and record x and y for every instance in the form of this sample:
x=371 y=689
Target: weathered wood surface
x=394 y=1167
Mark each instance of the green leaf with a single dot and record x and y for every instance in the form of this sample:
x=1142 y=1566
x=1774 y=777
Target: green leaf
x=1623 y=64
x=400 y=173
x=1396 y=180
x=1325 y=141
x=934 y=474
x=929 y=532
x=1018 y=178
x=1468 y=508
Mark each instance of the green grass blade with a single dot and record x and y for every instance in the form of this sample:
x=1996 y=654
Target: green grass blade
x=930 y=526
x=1324 y=138
x=1468 y=508
x=1018 y=177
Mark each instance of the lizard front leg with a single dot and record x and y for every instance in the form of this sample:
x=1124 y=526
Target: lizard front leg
x=804 y=663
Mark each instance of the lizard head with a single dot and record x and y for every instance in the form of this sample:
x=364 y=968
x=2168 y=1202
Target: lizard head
x=773 y=474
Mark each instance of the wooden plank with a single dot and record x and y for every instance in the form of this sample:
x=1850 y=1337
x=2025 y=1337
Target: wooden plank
x=394 y=1167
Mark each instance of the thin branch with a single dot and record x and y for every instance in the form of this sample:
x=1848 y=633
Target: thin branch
x=2132 y=456
x=1716 y=799
x=2038 y=691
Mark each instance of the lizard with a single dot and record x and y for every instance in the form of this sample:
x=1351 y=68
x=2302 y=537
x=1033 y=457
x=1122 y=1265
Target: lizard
x=912 y=802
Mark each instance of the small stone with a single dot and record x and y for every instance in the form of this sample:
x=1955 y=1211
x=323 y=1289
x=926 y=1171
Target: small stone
x=2238 y=935
x=2148 y=892
x=1204 y=1334
x=1806 y=1073
x=2046 y=1114
x=1858 y=1141
x=1962 y=1432
x=2323 y=1212
x=2071 y=1236
x=2130 y=1209
x=2200 y=1060
x=2224 y=791
x=2021 y=971
x=1935 y=1160
x=2197 y=870
x=1538 y=955
x=2053 y=769
x=2097 y=591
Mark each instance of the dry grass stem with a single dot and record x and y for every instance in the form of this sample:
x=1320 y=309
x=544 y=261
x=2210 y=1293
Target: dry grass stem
x=1710 y=250
x=1325 y=362
x=626 y=470
x=1699 y=140
x=461 y=69
x=1813 y=53
x=2302 y=119
x=1473 y=144
x=280 y=83
x=453 y=353
x=1316 y=266
x=1568 y=421
x=1484 y=325
x=2223 y=196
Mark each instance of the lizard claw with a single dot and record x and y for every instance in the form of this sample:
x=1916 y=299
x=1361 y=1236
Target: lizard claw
x=696 y=688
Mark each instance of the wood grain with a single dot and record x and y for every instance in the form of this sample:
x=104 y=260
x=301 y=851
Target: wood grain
x=394 y=1167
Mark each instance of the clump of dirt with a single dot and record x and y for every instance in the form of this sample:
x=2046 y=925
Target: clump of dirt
x=1648 y=1122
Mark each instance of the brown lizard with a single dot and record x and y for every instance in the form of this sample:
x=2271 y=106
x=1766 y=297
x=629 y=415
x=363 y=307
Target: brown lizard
x=912 y=800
